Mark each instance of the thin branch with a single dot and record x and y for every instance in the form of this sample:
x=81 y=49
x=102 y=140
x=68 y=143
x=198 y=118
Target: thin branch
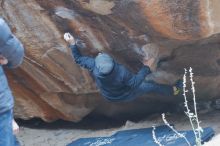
x=171 y=127
x=188 y=112
x=154 y=136
x=198 y=129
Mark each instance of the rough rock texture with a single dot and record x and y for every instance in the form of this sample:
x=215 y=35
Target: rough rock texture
x=49 y=85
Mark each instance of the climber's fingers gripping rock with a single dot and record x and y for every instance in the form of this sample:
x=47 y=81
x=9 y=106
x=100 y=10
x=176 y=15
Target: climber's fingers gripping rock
x=69 y=38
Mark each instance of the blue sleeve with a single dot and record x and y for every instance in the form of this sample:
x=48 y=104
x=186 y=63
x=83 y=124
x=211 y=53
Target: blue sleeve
x=135 y=80
x=5 y=32
x=10 y=47
x=83 y=61
x=14 y=52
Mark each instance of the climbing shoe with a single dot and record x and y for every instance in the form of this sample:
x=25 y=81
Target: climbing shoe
x=178 y=87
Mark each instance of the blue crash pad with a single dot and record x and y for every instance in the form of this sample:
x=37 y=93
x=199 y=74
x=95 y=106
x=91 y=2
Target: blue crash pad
x=143 y=137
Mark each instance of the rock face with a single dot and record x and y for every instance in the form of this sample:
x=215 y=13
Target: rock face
x=49 y=85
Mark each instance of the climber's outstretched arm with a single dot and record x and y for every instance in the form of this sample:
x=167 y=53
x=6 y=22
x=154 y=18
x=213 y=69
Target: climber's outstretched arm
x=83 y=61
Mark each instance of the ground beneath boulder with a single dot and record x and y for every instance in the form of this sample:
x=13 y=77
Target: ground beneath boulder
x=60 y=133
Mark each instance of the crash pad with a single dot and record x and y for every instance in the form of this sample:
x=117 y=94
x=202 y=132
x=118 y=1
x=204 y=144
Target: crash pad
x=143 y=137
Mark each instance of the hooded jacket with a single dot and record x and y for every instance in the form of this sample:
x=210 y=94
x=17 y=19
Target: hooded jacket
x=119 y=84
x=12 y=49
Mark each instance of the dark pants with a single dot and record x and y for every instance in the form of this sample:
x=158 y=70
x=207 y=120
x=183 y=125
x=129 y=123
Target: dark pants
x=7 y=137
x=151 y=87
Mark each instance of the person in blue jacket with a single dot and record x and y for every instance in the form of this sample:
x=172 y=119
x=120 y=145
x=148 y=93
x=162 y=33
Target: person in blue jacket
x=116 y=82
x=11 y=56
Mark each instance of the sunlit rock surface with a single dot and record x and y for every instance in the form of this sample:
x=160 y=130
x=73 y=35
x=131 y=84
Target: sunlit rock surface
x=49 y=85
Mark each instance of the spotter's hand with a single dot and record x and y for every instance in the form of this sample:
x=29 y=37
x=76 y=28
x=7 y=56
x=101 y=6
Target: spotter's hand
x=3 y=60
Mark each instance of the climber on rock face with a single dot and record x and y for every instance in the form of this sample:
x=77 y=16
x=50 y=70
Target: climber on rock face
x=11 y=56
x=116 y=82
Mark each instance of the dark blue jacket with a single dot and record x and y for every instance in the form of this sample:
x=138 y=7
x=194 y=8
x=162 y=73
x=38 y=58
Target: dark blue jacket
x=116 y=86
x=12 y=49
